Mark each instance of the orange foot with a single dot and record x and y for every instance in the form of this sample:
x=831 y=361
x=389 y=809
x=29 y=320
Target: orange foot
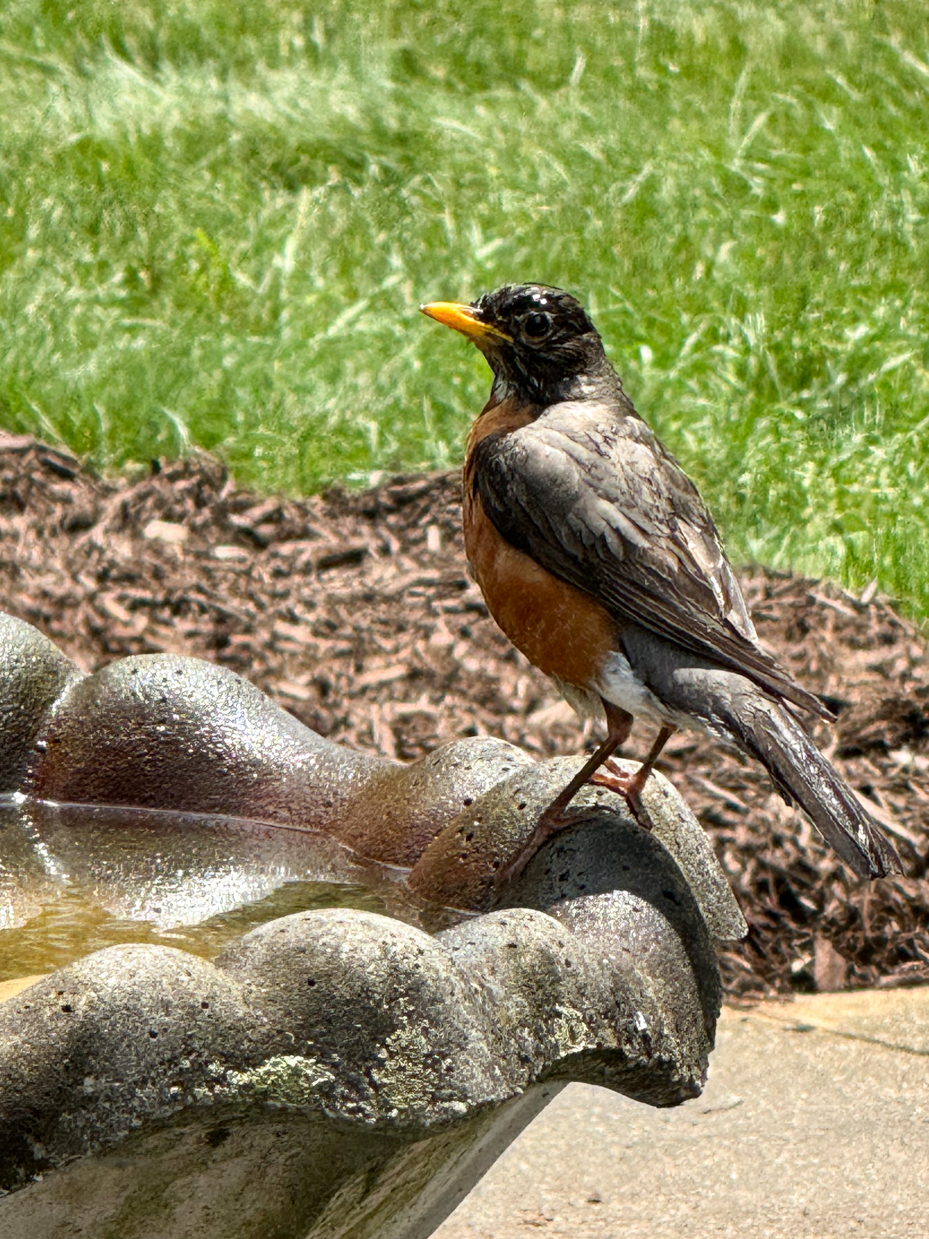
x=629 y=786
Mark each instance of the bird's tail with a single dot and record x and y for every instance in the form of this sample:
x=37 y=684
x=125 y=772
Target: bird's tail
x=769 y=732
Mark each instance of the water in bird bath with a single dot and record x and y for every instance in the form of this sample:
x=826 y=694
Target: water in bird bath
x=76 y=878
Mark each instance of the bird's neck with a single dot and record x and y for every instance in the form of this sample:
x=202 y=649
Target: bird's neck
x=600 y=383
x=602 y=386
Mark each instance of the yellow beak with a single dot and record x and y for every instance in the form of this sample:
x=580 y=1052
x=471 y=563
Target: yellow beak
x=463 y=318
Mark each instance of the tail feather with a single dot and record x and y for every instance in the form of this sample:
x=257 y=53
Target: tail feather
x=737 y=709
x=770 y=733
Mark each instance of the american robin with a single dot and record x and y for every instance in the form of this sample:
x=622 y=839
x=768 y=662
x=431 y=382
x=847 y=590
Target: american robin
x=599 y=560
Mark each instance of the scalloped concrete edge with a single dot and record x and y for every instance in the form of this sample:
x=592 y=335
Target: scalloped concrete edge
x=361 y=1071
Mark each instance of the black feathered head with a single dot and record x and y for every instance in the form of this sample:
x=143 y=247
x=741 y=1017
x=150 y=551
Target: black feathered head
x=538 y=340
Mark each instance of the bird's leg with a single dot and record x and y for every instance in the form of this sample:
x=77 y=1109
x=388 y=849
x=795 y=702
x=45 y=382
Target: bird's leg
x=632 y=785
x=552 y=820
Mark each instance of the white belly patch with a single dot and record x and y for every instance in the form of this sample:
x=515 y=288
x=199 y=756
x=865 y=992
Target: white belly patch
x=619 y=684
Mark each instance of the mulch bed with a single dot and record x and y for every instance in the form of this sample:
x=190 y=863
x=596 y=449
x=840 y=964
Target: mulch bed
x=356 y=613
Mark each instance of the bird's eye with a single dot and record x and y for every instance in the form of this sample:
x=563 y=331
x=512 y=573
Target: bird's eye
x=536 y=325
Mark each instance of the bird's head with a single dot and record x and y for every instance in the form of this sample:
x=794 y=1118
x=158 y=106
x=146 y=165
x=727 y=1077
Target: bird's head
x=539 y=341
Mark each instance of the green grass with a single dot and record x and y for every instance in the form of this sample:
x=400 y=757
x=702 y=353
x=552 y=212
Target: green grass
x=218 y=217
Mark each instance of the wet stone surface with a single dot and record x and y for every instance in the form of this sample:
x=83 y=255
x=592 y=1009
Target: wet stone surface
x=335 y=1071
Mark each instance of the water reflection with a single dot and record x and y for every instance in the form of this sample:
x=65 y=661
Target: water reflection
x=75 y=878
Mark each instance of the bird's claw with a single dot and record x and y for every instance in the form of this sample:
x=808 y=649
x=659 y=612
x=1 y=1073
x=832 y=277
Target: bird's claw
x=629 y=786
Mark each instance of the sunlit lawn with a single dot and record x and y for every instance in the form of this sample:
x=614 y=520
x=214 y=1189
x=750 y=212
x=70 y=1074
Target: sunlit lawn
x=218 y=218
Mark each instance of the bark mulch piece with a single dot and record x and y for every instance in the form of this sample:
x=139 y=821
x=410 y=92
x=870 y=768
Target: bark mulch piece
x=356 y=613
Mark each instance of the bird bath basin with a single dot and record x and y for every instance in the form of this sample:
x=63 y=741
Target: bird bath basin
x=291 y=999
x=77 y=878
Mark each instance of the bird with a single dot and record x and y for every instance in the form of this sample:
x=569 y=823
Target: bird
x=600 y=561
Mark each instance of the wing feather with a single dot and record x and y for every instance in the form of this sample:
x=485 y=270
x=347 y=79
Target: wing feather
x=595 y=498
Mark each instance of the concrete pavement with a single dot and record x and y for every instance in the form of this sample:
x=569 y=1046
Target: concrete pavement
x=814 y=1125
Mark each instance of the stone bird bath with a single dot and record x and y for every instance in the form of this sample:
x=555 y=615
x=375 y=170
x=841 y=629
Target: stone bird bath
x=336 y=1072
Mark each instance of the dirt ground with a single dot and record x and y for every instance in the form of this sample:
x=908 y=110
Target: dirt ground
x=356 y=613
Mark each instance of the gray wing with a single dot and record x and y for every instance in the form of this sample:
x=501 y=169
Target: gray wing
x=595 y=498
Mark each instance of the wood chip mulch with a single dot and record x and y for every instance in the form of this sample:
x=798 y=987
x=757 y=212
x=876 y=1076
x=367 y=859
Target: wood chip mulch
x=356 y=613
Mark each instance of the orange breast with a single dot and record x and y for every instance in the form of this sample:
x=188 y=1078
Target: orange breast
x=560 y=629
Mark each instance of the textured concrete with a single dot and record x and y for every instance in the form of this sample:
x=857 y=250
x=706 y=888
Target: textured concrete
x=33 y=675
x=363 y=1073
x=335 y=1072
x=814 y=1124
x=460 y=864
x=163 y=732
